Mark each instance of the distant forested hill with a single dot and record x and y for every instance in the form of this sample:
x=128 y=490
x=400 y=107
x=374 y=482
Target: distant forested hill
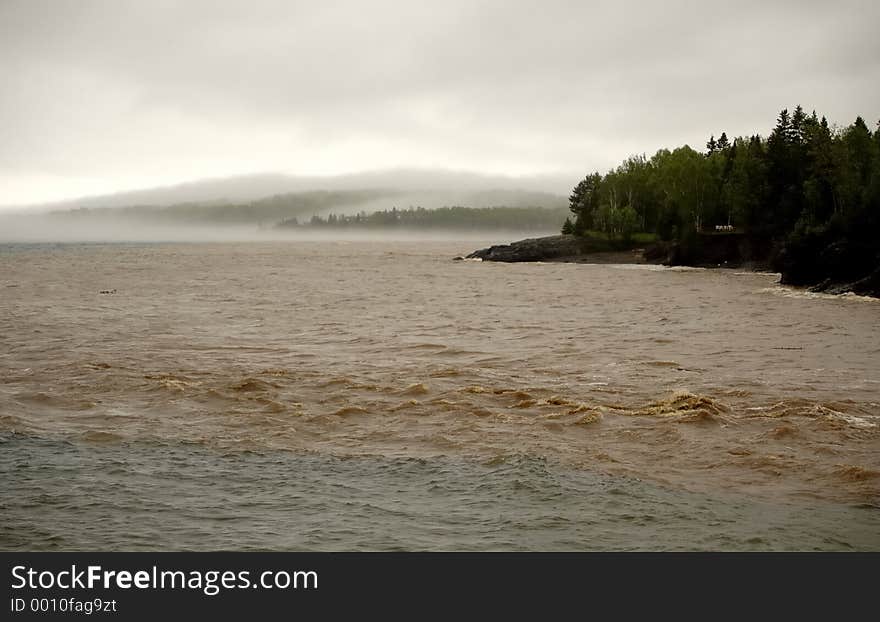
x=512 y=218
x=267 y=211
x=523 y=209
x=456 y=188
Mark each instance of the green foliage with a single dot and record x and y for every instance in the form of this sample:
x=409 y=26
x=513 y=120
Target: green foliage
x=625 y=221
x=712 y=145
x=616 y=222
x=804 y=174
x=583 y=202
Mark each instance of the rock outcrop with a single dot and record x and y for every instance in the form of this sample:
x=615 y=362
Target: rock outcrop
x=836 y=269
x=550 y=248
x=867 y=286
x=837 y=266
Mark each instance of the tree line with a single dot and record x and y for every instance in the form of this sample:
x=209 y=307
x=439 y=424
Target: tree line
x=456 y=217
x=806 y=184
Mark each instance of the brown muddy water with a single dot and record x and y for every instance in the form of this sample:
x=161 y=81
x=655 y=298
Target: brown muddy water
x=378 y=395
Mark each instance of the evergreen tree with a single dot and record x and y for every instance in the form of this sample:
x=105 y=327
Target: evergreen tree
x=785 y=192
x=859 y=141
x=819 y=175
x=712 y=145
x=798 y=126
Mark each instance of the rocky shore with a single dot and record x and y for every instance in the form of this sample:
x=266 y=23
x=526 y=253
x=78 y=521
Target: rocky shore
x=707 y=250
x=561 y=248
x=867 y=286
x=833 y=266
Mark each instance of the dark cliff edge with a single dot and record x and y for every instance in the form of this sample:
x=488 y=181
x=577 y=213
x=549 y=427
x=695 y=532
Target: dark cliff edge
x=730 y=250
x=830 y=265
x=835 y=269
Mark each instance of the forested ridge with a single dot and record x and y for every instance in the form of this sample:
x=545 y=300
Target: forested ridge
x=268 y=210
x=810 y=189
x=521 y=210
x=456 y=217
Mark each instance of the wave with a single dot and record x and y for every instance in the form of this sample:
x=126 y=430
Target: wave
x=793 y=292
x=347 y=411
x=833 y=414
x=100 y=436
x=854 y=473
x=173 y=381
x=405 y=405
x=249 y=385
x=415 y=389
x=685 y=406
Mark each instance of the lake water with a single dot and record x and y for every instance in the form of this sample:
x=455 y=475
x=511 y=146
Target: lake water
x=375 y=395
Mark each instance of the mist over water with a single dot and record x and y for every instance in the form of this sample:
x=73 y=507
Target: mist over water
x=55 y=228
x=377 y=395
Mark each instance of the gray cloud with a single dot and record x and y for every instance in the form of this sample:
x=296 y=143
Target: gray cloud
x=104 y=95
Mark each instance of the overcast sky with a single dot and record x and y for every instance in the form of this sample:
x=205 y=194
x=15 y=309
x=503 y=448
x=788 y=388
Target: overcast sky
x=101 y=96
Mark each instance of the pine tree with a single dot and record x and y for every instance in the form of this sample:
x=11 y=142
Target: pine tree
x=819 y=173
x=711 y=146
x=723 y=142
x=857 y=138
x=782 y=131
x=798 y=126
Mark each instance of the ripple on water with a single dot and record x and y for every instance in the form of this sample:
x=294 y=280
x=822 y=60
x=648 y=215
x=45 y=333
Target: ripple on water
x=158 y=499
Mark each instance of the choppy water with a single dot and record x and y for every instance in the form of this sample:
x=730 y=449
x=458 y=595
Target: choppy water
x=356 y=395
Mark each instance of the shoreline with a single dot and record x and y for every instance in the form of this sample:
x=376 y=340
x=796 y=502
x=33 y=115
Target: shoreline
x=567 y=248
x=632 y=256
